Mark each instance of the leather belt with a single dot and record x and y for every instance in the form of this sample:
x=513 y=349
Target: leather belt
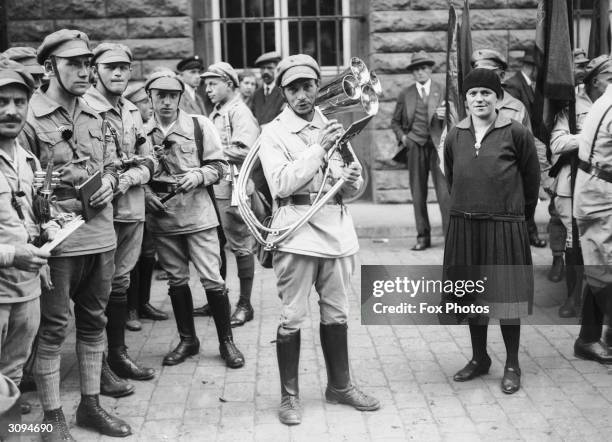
x=489 y=216
x=301 y=200
x=162 y=187
x=595 y=171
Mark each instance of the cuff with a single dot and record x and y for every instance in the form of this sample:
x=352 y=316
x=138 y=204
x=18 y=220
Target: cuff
x=7 y=255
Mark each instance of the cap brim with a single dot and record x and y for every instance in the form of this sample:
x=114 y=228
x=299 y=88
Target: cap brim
x=74 y=52
x=166 y=84
x=210 y=75
x=290 y=78
x=113 y=58
x=420 y=63
x=7 y=81
x=34 y=69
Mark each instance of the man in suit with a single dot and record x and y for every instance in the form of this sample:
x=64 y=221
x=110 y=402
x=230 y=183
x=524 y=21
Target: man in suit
x=268 y=100
x=189 y=71
x=418 y=121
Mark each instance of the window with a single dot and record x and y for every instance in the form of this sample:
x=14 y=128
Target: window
x=244 y=29
x=583 y=10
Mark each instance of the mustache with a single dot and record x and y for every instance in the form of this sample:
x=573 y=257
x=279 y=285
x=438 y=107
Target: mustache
x=10 y=120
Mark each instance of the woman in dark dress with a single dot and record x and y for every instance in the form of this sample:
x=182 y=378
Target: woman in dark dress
x=493 y=176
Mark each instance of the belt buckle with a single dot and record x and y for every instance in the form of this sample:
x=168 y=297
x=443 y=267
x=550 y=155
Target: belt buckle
x=312 y=197
x=467 y=215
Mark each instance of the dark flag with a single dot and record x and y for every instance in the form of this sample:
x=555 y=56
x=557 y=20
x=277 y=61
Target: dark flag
x=464 y=45
x=599 y=36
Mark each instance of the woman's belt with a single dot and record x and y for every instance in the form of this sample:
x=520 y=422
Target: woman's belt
x=487 y=216
x=303 y=200
x=595 y=171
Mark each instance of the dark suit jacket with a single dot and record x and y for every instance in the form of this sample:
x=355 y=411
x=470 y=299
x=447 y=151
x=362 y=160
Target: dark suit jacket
x=193 y=107
x=517 y=87
x=267 y=108
x=401 y=123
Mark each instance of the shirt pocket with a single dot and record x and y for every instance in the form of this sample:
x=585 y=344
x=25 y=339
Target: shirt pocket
x=188 y=154
x=53 y=145
x=96 y=146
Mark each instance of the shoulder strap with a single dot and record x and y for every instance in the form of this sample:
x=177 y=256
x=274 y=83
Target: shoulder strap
x=199 y=138
x=596 y=132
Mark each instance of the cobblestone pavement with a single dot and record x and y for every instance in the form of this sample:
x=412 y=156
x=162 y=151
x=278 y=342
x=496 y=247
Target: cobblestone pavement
x=409 y=368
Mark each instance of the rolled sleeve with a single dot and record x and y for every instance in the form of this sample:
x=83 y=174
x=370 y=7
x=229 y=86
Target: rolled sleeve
x=7 y=255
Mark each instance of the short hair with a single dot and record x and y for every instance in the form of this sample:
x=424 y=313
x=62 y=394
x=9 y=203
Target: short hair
x=244 y=74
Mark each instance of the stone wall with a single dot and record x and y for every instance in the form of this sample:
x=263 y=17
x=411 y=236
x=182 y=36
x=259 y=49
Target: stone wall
x=159 y=32
x=401 y=27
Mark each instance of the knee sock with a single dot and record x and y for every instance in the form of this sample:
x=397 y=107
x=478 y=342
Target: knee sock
x=46 y=371
x=89 y=356
x=511 y=333
x=478 y=335
x=246 y=272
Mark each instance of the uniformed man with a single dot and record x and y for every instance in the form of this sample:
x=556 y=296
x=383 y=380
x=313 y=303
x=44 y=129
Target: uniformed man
x=20 y=260
x=267 y=100
x=139 y=292
x=185 y=227
x=189 y=71
x=125 y=136
x=26 y=56
x=293 y=154
x=564 y=146
x=510 y=107
x=62 y=128
x=593 y=212
x=238 y=131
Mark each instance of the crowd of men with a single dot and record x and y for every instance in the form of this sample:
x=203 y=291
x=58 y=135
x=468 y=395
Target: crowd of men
x=152 y=167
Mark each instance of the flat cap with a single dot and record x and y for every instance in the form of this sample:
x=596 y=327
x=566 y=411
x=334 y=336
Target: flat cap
x=421 y=58
x=166 y=80
x=135 y=92
x=194 y=62
x=64 y=43
x=221 y=70
x=27 y=57
x=580 y=56
x=12 y=72
x=489 y=59
x=268 y=57
x=598 y=65
x=112 y=53
x=295 y=67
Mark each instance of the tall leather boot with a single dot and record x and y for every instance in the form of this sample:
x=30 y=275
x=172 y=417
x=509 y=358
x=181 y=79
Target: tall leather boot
x=339 y=387
x=220 y=308
x=246 y=272
x=56 y=423
x=573 y=280
x=146 y=310
x=118 y=358
x=288 y=355
x=91 y=415
x=182 y=305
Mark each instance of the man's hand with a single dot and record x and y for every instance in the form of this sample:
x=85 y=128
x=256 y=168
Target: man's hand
x=103 y=195
x=189 y=181
x=441 y=111
x=153 y=204
x=330 y=134
x=405 y=141
x=45 y=277
x=124 y=184
x=29 y=258
x=49 y=230
x=351 y=173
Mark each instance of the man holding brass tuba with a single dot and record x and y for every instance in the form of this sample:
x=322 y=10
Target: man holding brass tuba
x=294 y=156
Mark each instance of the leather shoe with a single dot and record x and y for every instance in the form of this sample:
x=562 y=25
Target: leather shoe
x=289 y=412
x=185 y=348
x=352 y=396
x=111 y=385
x=120 y=362
x=202 y=311
x=535 y=241
x=56 y=422
x=472 y=370
x=242 y=314
x=557 y=269
x=231 y=355
x=592 y=351
x=422 y=244
x=131 y=322
x=147 y=311
x=511 y=382
x=91 y=415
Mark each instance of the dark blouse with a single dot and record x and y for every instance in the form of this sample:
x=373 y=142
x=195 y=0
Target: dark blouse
x=505 y=176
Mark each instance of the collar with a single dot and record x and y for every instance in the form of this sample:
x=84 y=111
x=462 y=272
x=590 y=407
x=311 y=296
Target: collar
x=97 y=101
x=509 y=102
x=218 y=110
x=190 y=91
x=426 y=86
x=270 y=87
x=41 y=105
x=182 y=126
x=527 y=79
x=466 y=123
x=19 y=152
x=296 y=124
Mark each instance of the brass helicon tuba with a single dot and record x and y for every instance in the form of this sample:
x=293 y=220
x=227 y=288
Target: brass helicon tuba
x=356 y=89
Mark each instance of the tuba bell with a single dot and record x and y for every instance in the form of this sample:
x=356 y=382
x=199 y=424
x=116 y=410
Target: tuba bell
x=356 y=89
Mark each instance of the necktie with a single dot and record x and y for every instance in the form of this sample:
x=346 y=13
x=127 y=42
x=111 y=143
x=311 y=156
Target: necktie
x=266 y=90
x=423 y=93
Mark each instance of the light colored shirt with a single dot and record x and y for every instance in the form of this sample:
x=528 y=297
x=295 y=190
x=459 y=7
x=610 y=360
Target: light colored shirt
x=424 y=89
x=293 y=163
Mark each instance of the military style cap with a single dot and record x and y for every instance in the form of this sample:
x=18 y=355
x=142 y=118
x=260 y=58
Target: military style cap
x=221 y=70
x=580 y=56
x=12 y=72
x=64 y=43
x=598 y=65
x=194 y=62
x=268 y=57
x=27 y=57
x=135 y=92
x=421 y=58
x=295 y=67
x=111 y=53
x=165 y=80
x=489 y=59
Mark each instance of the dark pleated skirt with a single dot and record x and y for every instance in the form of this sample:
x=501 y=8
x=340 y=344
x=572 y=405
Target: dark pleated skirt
x=497 y=253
